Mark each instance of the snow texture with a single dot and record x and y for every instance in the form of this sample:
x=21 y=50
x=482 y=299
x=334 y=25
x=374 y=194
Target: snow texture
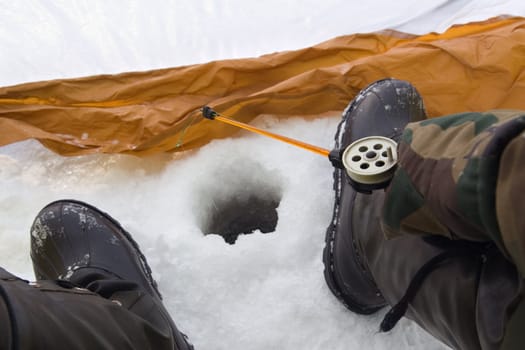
x=267 y=291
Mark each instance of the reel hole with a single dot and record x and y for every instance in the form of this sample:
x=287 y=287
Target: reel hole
x=371 y=154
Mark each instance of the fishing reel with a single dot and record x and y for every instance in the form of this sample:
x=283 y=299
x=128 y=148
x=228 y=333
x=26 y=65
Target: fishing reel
x=370 y=162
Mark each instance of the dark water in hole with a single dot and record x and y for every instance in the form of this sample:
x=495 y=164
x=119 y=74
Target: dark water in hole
x=235 y=217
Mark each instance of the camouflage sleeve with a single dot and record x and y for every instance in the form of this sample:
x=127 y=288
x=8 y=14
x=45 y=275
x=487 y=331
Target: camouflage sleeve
x=462 y=176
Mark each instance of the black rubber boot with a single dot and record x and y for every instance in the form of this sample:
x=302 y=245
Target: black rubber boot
x=81 y=246
x=382 y=109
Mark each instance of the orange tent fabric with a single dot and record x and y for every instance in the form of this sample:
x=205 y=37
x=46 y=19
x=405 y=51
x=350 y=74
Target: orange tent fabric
x=472 y=67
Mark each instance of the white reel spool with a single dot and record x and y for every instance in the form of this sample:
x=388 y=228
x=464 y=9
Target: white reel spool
x=371 y=160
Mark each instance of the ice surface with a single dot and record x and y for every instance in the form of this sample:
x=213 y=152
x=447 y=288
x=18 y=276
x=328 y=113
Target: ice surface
x=267 y=291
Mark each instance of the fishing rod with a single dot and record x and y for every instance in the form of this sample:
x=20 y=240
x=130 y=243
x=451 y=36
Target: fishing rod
x=212 y=115
x=369 y=162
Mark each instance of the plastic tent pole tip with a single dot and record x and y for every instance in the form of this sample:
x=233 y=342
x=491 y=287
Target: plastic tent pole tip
x=208 y=113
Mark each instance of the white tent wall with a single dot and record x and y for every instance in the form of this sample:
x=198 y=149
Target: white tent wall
x=267 y=290
x=57 y=39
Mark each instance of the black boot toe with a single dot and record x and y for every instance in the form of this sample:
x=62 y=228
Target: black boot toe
x=70 y=238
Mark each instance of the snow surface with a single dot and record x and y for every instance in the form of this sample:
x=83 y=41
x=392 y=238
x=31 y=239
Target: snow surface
x=267 y=291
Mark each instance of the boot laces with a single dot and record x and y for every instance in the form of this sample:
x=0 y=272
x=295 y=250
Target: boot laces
x=459 y=249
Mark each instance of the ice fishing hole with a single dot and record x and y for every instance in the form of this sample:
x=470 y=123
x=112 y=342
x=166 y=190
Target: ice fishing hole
x=244 y=199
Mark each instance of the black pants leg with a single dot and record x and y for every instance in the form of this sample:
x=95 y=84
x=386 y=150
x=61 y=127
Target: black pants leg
x=46 y=315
